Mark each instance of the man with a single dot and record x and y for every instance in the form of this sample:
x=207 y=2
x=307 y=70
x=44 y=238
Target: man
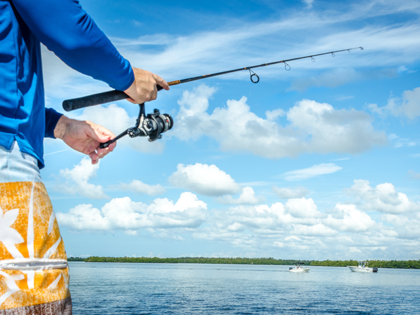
x=33 y=264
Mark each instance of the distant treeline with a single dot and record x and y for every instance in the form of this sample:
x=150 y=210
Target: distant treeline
x=192 y=260
x=405 y=264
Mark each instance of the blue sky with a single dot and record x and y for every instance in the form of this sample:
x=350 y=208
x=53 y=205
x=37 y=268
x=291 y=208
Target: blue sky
x=320 y=162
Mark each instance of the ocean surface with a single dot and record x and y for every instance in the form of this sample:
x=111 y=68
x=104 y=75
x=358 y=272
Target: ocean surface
x=113 y=288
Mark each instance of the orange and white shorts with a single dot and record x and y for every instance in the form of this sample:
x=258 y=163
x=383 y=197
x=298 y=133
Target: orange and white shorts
x=34 y=275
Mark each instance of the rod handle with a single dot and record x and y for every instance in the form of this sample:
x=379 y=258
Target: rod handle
x=96 y=99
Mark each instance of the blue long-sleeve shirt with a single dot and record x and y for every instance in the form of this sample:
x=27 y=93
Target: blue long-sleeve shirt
x=67 y=30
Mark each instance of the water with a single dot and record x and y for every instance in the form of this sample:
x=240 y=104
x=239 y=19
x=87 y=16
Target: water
x=112 y=288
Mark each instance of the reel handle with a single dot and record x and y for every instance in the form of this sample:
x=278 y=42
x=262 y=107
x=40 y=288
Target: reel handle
x=96 y=99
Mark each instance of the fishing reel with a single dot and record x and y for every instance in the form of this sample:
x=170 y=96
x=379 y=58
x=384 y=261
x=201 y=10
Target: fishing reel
x=150 y=125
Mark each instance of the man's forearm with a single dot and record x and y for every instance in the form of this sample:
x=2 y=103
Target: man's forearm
x=61 y=127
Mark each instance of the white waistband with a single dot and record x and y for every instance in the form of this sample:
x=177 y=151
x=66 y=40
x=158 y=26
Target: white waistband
x=33 y=264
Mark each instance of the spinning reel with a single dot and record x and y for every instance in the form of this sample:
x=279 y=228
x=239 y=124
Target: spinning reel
x=152 y=126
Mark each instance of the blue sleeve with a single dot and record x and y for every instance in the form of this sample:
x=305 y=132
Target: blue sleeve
x=67 y=30
x=51 y=120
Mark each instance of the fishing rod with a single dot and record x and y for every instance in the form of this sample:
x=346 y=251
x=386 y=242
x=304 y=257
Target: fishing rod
x=153 y=125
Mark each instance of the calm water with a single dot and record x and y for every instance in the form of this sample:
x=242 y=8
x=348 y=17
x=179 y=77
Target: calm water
x=111 y=288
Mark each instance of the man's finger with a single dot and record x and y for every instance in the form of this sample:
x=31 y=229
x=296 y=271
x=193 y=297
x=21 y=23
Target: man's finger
x=94 y=157
x=93 y=134
x=153 y=95
x=161 y=82
x=103 y=152
x=99 y=133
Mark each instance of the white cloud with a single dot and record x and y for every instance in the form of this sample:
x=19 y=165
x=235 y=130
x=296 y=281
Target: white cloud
x=408 y=105
x=279 y=244
x=258 y=217
x=296 y=227
x=383 y=198
x=313 y=127
x=314 y=230
x=274 y=114
x=127 y=215
x=290 y=193
x=348 y=218
x=264 y=218
x=406 y=226
x=77 y=180
x=210 y=50
x=247 y=197
x=316 y=170
x=140 y=187
x=204 y=179
x=302 y=208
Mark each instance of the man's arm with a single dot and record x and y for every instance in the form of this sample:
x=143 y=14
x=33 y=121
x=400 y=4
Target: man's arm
x=67 y=30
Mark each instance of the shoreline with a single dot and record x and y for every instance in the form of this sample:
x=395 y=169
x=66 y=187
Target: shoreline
x=389 y=264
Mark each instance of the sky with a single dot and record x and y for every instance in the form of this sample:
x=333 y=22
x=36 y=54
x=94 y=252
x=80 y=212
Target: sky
x=319 y=162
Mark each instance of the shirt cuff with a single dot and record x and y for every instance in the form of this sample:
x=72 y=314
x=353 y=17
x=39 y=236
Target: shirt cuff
x=51 y=119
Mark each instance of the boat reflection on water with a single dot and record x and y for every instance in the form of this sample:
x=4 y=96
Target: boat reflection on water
x=362 y=268
x=298 y=268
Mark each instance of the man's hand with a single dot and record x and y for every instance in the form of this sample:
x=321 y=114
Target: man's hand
x=144 y=88
x=85 y=137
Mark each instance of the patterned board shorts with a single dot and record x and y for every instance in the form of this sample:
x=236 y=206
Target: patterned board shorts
x=34 y=274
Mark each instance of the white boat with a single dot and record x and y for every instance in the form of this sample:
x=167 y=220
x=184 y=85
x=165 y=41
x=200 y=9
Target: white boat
x=298 y=268
x=362 y=268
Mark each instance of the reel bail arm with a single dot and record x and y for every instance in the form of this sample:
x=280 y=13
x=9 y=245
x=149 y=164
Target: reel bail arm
x=152 y=125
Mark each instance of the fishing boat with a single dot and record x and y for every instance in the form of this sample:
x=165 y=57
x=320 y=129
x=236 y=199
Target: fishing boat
x=298 y=268
x=362 y=268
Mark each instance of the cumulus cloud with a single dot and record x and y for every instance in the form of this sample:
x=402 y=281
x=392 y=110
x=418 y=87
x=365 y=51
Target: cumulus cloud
x=247 y=197
x=383 y=198
x=302 y=208
x=140 y=187
x=204 y=179
x=290 y=193
x=314 y=230
x=348 y=218
x=77 y=180
x=313 y=127
x=316 y=170
x=407 y=106
x=406 y=227
x=296 y=226
x=265 y=218
x=127 y=215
